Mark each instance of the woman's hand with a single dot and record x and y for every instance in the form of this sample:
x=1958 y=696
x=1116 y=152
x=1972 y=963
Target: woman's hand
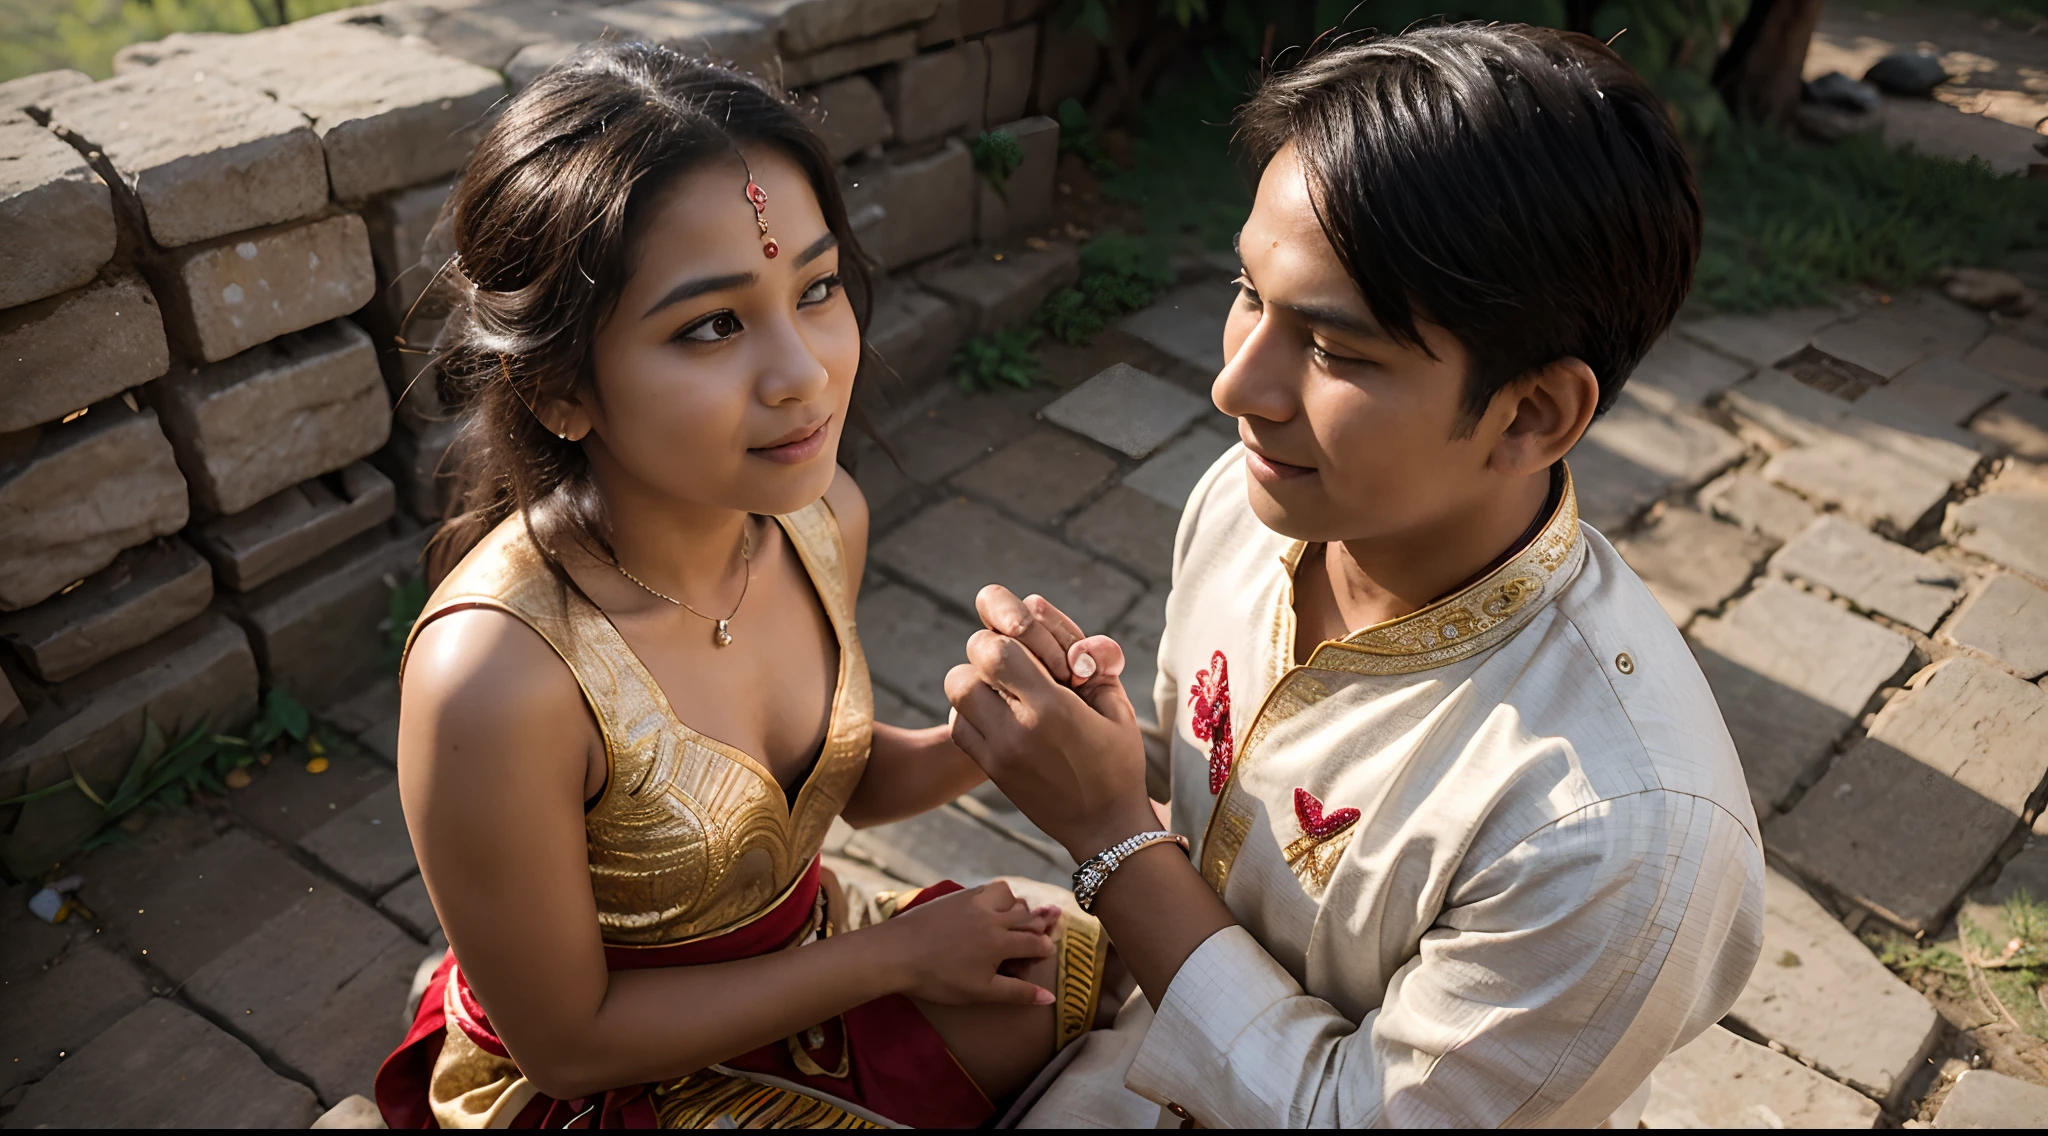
x=952 y=950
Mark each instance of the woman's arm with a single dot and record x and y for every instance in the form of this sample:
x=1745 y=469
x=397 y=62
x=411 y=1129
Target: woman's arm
x=494 y=744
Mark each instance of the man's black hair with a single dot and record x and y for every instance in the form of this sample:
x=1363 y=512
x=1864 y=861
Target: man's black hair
x=1519 y=187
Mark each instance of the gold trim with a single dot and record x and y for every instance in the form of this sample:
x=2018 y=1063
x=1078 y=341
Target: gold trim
x=716 y=1098
x=1077 y=978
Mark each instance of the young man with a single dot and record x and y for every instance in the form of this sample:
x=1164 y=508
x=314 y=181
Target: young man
x=1469 y=844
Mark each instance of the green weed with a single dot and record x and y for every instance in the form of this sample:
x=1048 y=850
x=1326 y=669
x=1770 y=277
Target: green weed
x=1119 y=274
x=997 y=154
x=997 y=359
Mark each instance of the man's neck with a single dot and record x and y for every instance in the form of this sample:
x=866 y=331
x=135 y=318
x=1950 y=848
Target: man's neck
x=1343 y=587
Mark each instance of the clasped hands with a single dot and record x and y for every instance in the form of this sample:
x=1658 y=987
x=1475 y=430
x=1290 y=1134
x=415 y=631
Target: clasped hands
x=1040 y=707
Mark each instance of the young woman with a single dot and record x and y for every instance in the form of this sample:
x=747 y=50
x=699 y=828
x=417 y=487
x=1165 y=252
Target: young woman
x=634 y=707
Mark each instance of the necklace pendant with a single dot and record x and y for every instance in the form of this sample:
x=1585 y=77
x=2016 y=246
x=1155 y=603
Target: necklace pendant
x=721 y=636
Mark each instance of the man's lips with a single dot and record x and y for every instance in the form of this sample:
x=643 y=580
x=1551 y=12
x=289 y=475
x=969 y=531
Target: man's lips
x=798 y=445
x=1272 y=469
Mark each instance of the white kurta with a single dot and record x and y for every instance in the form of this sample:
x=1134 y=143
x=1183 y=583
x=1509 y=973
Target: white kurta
x=1491 y=862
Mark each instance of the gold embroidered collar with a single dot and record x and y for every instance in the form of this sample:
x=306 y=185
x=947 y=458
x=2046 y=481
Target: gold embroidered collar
x=1480 y=616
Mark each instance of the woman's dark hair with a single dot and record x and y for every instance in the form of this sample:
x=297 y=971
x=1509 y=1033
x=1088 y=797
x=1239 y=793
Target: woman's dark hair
x=1519 y=187
x=544 y=222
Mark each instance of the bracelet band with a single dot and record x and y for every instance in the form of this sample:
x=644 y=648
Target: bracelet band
x=1095 y=872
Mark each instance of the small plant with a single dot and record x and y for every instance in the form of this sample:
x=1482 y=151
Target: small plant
x=1077 y=137
x=999 y=358
x=997 y=154
x=1119 y=274
x=408 y=599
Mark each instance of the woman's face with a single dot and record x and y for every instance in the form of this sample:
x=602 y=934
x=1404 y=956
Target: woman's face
x=723 y=376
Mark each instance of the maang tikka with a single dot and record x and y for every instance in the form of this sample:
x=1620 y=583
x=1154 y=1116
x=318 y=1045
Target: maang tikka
x=758 y=198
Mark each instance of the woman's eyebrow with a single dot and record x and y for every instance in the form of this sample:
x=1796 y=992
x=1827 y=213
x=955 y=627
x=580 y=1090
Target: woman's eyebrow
x=691 y=289
x=816 y=249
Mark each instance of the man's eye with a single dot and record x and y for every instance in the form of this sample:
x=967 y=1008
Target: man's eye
x=1325 y=355
x=819 y=292
x=712 y=328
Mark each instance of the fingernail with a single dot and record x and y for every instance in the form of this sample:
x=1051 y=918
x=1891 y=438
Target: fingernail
x=1043 y=997
x=1084 y=667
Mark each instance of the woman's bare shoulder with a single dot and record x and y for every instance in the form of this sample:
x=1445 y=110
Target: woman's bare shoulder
x=480 y=681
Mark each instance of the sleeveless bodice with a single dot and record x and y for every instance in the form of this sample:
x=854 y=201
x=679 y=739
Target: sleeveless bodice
x=690 y=837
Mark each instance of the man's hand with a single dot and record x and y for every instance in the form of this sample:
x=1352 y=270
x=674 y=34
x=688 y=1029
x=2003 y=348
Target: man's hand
x=1071 y=759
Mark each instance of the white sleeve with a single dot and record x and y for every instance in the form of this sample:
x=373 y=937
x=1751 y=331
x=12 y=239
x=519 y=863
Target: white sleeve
x=1558 y=975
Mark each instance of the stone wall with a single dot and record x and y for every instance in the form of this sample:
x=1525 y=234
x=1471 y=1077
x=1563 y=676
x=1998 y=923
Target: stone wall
x=205 y=487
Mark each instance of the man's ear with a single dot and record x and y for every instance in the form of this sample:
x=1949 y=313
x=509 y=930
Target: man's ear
x=1549 y=409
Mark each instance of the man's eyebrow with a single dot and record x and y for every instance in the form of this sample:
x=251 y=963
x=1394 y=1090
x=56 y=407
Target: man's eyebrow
x=1337 y=318
x=691 y=289
x=816 y=249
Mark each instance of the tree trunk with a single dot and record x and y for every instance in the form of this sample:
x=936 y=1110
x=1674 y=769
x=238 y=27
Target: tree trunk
x=1758 y=76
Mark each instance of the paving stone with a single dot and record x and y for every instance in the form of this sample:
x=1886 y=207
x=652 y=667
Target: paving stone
x=850 y=116
x=957 y=19
x=365 y=708
x=223 y=297
x=1040 y=476
x=1941 y=389
x=56 y=216
x=812 y=25
x=75 y=349
x=1906 y=818
x=1691 y=562
x=956 y=547
x=1067 y=65
x=1025 y=203
x=1756 y=504
x=398 y=225
x=991 y=293
x=17 y=95
x=1761 y=341
x=1981 y=1098
x=927 y=205
x=1187 y=323
x=1792 y=672
x=319 y=985
x=2011 y=528
x=417 y=463
x=936 y=93
x=1889 y=339
x=1639 y=452
x=847 y=58
x=2008 y=620
x=1688 y=372
x=354 y=1111
x=1131 y=411
x=172 y=1069
x=318 y=629
x=368 y=843
x=59 y=1010
x=145 y=592
x=1138 y=634
x=2018 y=424
x=203 y=156
x=1011 y=55
x=88 y=489
x=1720 y=1080
x=1171 y=474
x=1869 y=484
x=410 y=905
x=911 y=643
x=285 y=803
x=294 y=525
x=915 y=333
x=947 y=843
x=188 y=911
x=1872 y=572
x=299 y=406
x=2013 y=359
x=1130 y=528
x=892 y=708
x=1788 y=408
x=960 y=430
x=1819 y=992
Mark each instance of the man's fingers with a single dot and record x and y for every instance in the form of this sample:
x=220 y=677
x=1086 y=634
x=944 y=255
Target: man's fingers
x=964 y=735
x=1096 y=657
x=1056 y=621
x=987 y=717
x=1006 y=665
x=1003 y=613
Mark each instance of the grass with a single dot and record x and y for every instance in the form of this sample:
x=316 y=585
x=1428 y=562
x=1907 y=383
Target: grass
x=2001 y=966
x=47 y=35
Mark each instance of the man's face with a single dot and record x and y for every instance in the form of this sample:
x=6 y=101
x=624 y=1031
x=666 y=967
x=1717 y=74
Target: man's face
x=1349 y=433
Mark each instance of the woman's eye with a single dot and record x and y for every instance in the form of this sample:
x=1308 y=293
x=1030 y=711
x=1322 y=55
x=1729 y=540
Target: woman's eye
x=712 y=328
x=819 y=292
x=1250 y=294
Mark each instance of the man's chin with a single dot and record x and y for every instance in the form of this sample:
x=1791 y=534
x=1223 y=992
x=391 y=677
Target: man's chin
x=1296 y=508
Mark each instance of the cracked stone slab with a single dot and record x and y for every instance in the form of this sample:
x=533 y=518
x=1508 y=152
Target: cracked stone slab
x=1872 y=572
x=1643 y=448
x=145 y=592
x=1040 y=476
x=1131 y=411
x=1131 y=528
x=2013 y=359
x=1691 y=562
x=1981 y=1098
x=956 y=547
x=1887 y=340
x=1688 y=372
x=2018 y=424
x=1761 y=341
x=1748 y=500
x=804 y=26
x=225 y=296
x=367 y=843
x=294 y=525
x=56 y=215
x=2008 y=620
x=1720 y=1080
x=1782 y=405
x=75 y=349
x=911 y=643
x=2008 y=527
x=1867 y=483
x=993 y=293
x=1187 y=323
x=1171 y=474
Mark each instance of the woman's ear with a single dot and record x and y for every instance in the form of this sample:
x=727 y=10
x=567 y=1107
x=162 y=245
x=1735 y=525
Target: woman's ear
x=1553 y=406
x=565 y=418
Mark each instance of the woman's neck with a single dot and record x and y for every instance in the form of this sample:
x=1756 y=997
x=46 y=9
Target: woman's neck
x=687 y=550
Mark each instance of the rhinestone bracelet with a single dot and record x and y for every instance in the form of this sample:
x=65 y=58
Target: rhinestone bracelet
x=1090 y=876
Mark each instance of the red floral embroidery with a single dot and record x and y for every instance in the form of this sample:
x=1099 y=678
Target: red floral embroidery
x=1210 y=696
x=1314 y=822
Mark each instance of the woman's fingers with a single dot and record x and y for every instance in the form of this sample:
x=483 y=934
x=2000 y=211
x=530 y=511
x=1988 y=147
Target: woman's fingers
x=1006 y=665
x=1026 y=945
x=987 y=718
x=1017 y=992
x=1003 y=613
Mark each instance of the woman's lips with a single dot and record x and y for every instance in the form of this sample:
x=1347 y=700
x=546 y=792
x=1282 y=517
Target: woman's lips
x=1269 y=470
x=796 y=447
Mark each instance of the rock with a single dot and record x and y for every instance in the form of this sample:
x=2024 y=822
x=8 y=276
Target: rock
x=1888 y=339
x=410 y=905
x=317 y=630
x=915 y=333
x=1762 y=341
x=1981 y=1098
x=2018 y=424
x=1187 y=323
x=1010 y=56
x=1911 y=814
x=199 y=674
x=173 y=1069
x=1721 y=1081
x=75 y=349
x=1798 y=413
x=927 y=205
x=1820 y=993
x=56 y=216
x=2013 y=359
x=1792 y=673
x=958 y=19
x=1639 y=452
x=1691 y=562
x=299 y=406
x=145 y=592
x=911 y=643
x=1170 y=475
x=1908 y=72
x=204 y=157
x=1756 y=504
x=491 y=35
x=1130 y=528
x=991 y=294
x=847 y=58
x=2011 y=528
x=355 y=1111
x=1690 y=374
x=850 y=116
x=398 y=226
x=1872 y=572
x=2008 y=620
x=947 y=843
x=804 y=26
x=1067 y=64
x=367 y=844
x=1838 y=90
x=1869 y=484
x=86 y=490
x=1040 y=476
x=937 y=93
x=420 y=467
x=956 y=547
x=1128 y=410
x=1935 y=396
x=18 y=95
x=294 y=525
x=1025 y=202
x=1988 y=289
x=223 y=297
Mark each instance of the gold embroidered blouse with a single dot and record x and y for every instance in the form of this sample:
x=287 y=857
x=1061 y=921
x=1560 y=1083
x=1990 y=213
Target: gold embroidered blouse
x=690 y=837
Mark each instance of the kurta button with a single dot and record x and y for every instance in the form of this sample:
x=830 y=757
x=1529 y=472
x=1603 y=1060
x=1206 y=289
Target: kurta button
x=1624 y=664
x=1178 y=1111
